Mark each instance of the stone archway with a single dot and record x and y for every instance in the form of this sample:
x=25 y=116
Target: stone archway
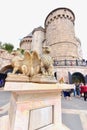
x=78 y=77
x=3 y=74
x=6 y=69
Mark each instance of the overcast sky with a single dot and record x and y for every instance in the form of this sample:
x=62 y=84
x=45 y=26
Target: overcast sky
x=19 y=17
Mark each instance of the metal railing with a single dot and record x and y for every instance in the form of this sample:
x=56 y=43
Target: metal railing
x=70 y=63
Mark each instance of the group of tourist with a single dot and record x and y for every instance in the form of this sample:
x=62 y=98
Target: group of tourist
x=75 y=91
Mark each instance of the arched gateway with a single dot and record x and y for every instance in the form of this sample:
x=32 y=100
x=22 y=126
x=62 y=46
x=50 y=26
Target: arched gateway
x=78 y=77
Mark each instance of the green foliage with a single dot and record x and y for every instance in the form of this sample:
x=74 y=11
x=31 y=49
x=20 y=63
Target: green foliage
x=0 y=44
x=21 y=50
x=7 y=46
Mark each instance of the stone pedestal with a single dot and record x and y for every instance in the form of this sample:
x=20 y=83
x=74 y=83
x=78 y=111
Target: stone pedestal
x=35 y=106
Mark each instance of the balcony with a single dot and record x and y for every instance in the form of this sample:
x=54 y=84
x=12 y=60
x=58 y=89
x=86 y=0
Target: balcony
x=70 y=63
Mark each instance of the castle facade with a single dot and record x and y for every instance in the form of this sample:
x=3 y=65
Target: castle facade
x=59 y=34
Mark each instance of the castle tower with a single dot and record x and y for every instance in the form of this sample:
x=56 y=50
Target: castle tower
x=26 y=42
x=60 y=34
x=37 y=39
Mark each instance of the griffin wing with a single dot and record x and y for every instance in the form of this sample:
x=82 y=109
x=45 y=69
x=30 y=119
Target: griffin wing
x=36 y=62
x=27 y=58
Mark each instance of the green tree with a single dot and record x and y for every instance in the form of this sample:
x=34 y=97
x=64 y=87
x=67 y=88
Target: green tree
x=8 y=46
x=0 y=44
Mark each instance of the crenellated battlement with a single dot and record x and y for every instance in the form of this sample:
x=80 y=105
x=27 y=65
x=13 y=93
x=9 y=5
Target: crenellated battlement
x=26 y=39
x=60 y=13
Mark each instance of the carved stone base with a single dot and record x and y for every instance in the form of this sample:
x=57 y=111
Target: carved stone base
x=43 y=79
x=36 y=78
x=17 y=77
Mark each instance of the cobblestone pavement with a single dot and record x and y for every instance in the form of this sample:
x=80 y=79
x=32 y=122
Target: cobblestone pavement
x=74 y=112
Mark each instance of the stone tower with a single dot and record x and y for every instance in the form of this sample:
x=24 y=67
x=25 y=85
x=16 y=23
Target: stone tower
x=37 y=39
x=60 y=35
x=26 y=42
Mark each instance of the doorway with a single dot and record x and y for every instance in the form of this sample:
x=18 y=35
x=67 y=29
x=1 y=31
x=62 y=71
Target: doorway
x=77 y=77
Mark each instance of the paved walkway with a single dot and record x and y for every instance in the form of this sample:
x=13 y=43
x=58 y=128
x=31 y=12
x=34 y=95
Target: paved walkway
x=74 y=112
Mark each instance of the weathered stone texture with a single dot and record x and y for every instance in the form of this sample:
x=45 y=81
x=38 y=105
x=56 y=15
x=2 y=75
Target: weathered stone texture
x=62 y=51
x=60 y=34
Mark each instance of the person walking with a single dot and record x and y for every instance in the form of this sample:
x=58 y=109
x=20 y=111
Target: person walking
x=67 y=94
x=78 y=90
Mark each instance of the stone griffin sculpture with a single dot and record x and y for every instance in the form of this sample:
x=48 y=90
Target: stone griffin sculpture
x=28 y=65
x=32 y=64
x=47 y=62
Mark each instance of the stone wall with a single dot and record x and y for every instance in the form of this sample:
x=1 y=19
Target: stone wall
x=64 y=71
x=60 y=34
